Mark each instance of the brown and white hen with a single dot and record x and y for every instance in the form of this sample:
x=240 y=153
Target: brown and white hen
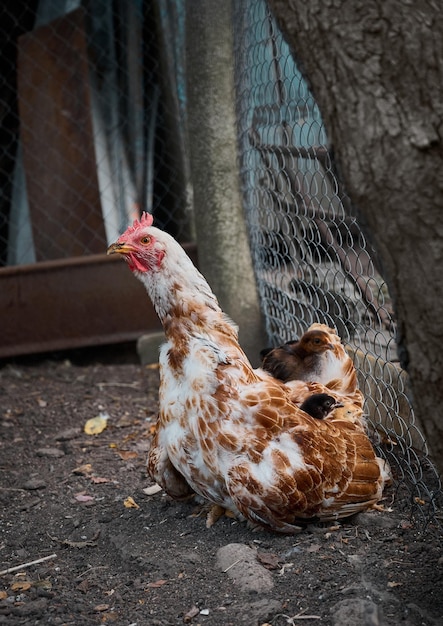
x=231 y=433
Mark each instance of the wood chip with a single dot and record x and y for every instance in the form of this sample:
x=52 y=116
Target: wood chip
x=127 y=454
x=130 y=503
x=156 y=584
x=153 y=489
x=83 y=470
x=34 y=483
x=193 y=612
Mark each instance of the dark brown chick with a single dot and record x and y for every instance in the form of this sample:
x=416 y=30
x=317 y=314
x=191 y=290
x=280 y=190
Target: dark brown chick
x=319 y=405
x=312 y=358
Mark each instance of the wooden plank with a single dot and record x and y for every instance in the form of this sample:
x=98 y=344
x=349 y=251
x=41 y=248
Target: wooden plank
x=57 y=137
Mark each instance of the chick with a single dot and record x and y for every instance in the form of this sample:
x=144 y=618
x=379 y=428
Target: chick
x=319 y=405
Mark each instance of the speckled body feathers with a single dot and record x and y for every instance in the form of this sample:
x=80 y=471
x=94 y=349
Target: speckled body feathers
x=235 y=435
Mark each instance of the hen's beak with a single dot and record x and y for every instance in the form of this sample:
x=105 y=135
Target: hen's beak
x=337 y=405
x=119 y=248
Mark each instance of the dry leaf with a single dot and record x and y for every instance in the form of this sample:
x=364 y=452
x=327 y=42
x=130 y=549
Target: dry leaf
x=83 y=497
x=130 y=503
x=82 y=470
x=23 y=585
x=3 y=595
x=156 y=584
x=127 y=454
x=268 y=560
x=150 y=491
x=96 y=425
x=315 y=547
x=152 y=366
x=101 y=607
x=83 y=586
x=43 y=584
x=98 y=480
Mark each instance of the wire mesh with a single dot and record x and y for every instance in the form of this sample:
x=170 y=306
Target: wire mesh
x=312 y=261
x=91 y=124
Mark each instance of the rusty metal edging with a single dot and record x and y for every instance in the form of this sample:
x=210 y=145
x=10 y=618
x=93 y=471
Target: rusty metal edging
x=72 y=303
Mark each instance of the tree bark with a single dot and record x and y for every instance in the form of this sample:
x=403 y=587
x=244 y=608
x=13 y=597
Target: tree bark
x=376 y=71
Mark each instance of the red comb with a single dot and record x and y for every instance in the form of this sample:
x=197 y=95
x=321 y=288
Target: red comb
x=145 y=220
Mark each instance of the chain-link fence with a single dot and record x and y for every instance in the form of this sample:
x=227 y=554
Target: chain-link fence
x=91 y=125
x=312 y=261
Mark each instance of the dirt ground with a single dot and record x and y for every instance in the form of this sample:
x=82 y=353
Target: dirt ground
x=121 y=555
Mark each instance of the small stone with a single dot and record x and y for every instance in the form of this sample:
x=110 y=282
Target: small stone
x=355 y=612
x=240 y=563
x=32 y=607
x=374 y=520
x=34 y=483
x=68 y=434
x=260 y=612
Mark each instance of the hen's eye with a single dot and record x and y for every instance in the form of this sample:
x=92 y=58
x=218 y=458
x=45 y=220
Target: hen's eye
x=145 y=240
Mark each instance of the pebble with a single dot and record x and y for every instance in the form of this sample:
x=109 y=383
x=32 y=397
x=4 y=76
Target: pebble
x=355 y=612
x=32 y=607
x=68 y=434
x=34 y=483
x=374 y=520
x=260 y=611
x=240 y=563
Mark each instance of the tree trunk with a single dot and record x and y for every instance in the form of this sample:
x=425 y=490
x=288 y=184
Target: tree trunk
x=376 y=71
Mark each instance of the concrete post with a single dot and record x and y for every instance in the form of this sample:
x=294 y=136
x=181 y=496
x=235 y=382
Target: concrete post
x=223 y=247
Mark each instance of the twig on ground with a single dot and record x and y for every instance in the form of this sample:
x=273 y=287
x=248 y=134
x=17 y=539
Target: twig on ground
x=23 y=565
x=232 y=565
x=133 y=385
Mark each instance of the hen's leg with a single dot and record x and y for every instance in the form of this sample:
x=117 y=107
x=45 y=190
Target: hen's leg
x=164 y=473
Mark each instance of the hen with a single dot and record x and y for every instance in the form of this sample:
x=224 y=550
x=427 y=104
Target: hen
x=318 y=359
x=231 y=433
